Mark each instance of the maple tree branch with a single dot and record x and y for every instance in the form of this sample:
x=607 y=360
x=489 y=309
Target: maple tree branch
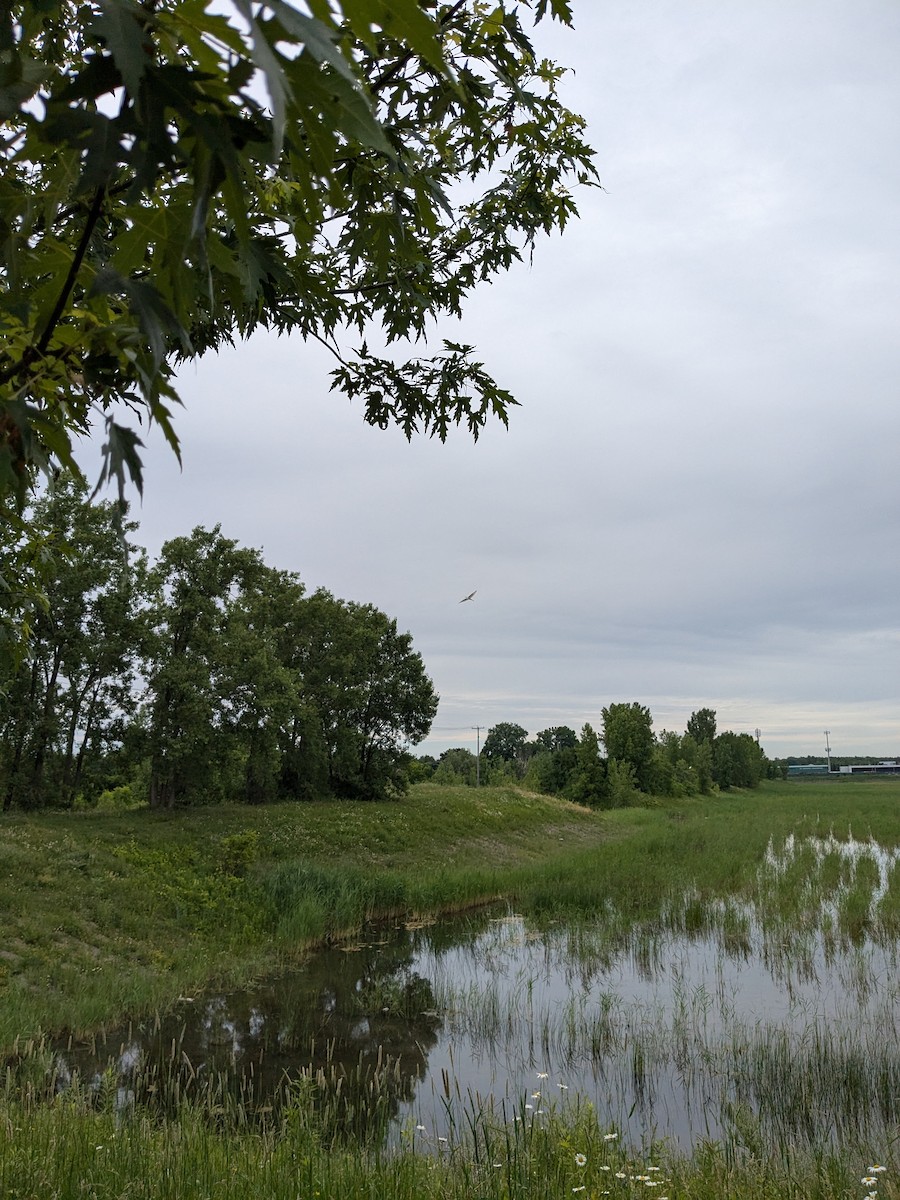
x=74 y=267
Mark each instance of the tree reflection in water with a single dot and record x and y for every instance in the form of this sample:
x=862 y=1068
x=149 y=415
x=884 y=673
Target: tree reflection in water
x=346 y=1038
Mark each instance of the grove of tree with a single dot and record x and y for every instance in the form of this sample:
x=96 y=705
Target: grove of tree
x=204 y=676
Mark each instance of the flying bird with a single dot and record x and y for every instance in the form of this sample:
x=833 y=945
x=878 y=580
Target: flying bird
x=471 y=596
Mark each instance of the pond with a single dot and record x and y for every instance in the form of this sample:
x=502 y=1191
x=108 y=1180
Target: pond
x=774 y=1020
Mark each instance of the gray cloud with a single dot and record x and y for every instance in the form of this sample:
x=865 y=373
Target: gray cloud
x=697 y=502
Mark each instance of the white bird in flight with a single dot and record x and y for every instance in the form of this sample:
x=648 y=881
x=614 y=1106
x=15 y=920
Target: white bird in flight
x=471 y=596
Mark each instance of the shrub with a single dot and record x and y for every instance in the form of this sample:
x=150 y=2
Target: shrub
x=237 y=852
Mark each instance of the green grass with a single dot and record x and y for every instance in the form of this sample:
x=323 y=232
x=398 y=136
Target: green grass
x=110 y=915
x=67 y=1150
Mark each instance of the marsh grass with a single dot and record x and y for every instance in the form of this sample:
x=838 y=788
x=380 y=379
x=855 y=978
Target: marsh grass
x=818 y=1083
x=69 y=1149
x=828 y=1077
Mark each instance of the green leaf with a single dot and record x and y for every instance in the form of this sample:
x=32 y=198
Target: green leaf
x=266 y=59
x=319 y=40
x=560 y=10
x=341 y=104
x=155 y=318
x=120 y=455
x=121 y=24
x=405 y=20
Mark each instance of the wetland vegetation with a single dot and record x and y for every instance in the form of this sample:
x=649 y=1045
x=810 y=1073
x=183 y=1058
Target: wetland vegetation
x=694 y=998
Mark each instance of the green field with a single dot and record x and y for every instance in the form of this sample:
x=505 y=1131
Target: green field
x=107 y=916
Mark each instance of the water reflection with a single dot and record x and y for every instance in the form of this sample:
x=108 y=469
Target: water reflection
x=751 y=1020
x=355 y=1020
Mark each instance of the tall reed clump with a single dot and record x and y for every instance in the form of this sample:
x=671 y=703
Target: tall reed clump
x=306 y=902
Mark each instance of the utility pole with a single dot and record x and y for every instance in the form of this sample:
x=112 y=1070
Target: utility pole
x=828 y=750
x=477 y=729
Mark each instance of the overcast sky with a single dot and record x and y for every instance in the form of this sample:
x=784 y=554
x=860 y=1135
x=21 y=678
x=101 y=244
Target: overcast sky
x=697 y=503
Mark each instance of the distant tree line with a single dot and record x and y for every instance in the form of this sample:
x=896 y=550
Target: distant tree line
x=204 y=676
x=615 y=767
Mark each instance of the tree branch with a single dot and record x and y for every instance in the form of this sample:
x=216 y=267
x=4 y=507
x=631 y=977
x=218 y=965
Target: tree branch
x=37 y=349
x=74 y=267
x=387 y=75
x=331 y=347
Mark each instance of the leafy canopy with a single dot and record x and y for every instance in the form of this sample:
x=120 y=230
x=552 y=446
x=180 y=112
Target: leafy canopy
x=178 y=173
x=504 y=742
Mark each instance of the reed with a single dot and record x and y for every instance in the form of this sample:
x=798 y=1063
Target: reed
x=69 y=1149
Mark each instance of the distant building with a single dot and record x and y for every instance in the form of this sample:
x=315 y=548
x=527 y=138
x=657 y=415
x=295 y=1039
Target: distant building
x=795 y=769
x=881 y=768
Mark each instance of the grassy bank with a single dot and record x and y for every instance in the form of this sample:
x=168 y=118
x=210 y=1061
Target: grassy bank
x=113 y=914
x=108 y=915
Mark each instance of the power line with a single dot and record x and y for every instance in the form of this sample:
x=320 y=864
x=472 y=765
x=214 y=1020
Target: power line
x=478 y=729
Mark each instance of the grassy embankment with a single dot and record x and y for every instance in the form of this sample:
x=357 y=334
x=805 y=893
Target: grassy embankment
x=106 y=915
x=112 y=914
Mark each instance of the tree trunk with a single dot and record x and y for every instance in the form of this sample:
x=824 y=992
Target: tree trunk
x=82 y=749
x=35 y=790
x=68 y=784
x=26 y=709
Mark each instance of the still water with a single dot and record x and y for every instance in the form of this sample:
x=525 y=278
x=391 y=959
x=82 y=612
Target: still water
x=730 y=1022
